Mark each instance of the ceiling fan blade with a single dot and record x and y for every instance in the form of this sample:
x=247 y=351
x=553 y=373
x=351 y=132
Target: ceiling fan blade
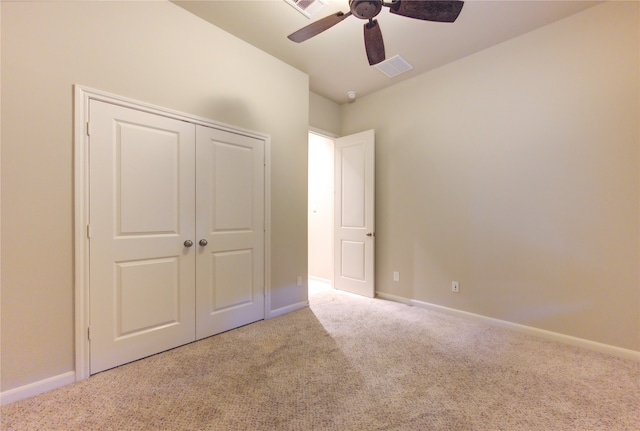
x=373 y=42
x=428 y=10
x=317 y=27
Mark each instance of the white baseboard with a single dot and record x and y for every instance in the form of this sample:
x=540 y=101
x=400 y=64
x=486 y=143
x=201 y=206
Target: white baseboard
x=288 y=309
x=319 y=279
x=36 y=388
x=393 y=298
x=549 y=335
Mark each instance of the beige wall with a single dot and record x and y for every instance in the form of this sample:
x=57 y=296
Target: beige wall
x=324 y=114
x=515 y=172
x=154 y=52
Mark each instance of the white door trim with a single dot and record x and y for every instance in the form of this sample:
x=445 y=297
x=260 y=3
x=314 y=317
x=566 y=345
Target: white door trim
x=322 y=133
x=82 y=96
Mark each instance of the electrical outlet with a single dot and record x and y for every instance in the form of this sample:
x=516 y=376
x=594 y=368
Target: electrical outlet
x=299 y=280
x=396 y=276
x=455 y=287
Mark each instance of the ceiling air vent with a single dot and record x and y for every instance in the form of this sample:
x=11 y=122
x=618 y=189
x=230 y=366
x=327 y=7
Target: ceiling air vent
x=394 y=66
x=308 y=8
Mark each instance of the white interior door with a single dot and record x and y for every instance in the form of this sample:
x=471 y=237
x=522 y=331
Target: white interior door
x=354 y=243
x=230 y=230
x=141 y=209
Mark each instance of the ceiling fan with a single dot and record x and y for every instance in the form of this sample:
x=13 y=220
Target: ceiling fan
x=428 y=10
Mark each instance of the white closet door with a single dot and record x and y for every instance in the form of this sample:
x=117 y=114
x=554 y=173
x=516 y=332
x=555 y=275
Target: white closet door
x=142 y=275
x=229 y=230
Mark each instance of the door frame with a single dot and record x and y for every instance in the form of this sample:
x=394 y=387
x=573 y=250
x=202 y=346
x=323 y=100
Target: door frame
x=82 y=96
x=334 y=138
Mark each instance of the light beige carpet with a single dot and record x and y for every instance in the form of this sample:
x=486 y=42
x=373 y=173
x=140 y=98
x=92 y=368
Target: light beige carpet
x=351 y=363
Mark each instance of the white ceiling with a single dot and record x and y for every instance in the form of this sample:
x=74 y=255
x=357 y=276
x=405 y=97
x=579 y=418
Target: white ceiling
x=335 y=60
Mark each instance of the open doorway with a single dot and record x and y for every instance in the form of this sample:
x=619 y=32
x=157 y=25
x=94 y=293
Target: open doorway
x=320 y=212
x=341 y=213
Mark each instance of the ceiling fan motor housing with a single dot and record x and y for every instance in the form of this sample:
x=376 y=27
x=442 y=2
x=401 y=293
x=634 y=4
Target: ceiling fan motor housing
x=365 y=9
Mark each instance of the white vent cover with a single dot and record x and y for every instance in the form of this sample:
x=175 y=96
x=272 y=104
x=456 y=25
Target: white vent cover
x=308 y=8
x=394 y=66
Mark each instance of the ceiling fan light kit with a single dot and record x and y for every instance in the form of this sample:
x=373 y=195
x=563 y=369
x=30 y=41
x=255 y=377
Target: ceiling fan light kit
x=426 y=10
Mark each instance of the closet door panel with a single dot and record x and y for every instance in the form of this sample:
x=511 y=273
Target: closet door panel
x=230 y=230
x=142 y=210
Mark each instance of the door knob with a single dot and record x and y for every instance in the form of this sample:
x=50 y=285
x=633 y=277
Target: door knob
x=371 y=234
x=203 y=242
x=188 y=243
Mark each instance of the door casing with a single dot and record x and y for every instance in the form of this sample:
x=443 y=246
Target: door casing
x=82 y=97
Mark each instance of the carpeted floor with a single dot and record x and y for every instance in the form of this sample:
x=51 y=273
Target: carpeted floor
x=349 y=363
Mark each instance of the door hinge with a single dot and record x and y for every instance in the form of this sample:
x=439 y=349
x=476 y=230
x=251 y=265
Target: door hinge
x=88 y=231
x=89 y=333
x=88 y=129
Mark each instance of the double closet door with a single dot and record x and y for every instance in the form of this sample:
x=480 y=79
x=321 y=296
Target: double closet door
x=176 y=233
